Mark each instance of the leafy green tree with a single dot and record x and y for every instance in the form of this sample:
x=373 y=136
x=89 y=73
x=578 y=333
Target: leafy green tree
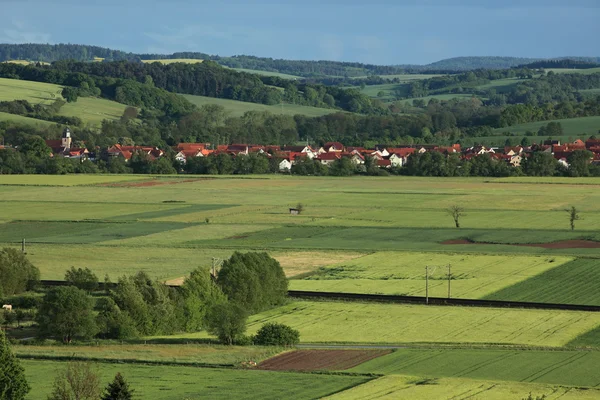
x=579 y=163
x=525 y=142
x=13 y=384
x=200 y=293
x=274 y=334
x=254 y=281
x=66 y=312
x=35 y=147
x=79 y=381
x=118 y=389
x=113 y=323
x=82 y=278
x=540 y=164
x=70 y=94
x=227 y=321
x=342 y=167
x=18 y=274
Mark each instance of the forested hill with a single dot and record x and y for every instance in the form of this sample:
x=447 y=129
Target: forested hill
x=51 y=53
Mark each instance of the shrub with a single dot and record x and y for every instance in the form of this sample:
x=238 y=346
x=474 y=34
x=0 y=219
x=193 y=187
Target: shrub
x=273 y=334
x=81 y=278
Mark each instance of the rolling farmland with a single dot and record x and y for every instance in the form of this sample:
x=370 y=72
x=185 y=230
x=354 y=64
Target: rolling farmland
x=178 y=382
x=575 y=127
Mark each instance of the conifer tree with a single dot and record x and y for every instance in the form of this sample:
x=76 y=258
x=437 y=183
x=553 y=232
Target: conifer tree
x=13 y=385
x=118 y=389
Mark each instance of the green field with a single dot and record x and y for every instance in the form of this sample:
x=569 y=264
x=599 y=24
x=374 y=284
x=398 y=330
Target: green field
x=573 y=71
x=419 y=388
x=440 y=97
x=176 y=383
x=501 y=85
x=91 y=110
x=473 y=275
x=23 y=120
x=352 y=322
x=268 y=73
x=573 y=368
x=575 y=282
x=575 y=127
x=238 y=108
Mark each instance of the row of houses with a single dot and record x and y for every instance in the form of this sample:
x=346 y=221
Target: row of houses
x=384 y=156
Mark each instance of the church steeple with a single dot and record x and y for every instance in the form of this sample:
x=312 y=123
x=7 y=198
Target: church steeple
x=66 y=138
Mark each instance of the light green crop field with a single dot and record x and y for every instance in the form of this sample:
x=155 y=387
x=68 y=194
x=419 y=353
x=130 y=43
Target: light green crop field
x=180 y=353
x=175 y=60
x=395 y=387
x=573 y=368
x=575 y=127
x=501 y=85
x=91 y=110
x=472 y=275
x=23 y=120
x=238 y=108
x=352 y=322
x=176 y=382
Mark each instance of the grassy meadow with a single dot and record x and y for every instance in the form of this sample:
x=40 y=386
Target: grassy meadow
x=575 y=127
x=238 y=108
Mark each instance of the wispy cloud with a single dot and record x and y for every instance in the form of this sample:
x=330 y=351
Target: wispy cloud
x=20 y=32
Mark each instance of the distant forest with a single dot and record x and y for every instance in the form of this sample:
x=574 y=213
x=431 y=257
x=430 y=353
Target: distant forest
x=303 y=68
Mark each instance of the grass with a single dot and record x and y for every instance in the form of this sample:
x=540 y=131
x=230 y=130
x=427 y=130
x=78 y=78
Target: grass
x=176 y=383
x=575 y=282
x=238 y=108
x=182 y=353
x=90 y=109
x=581 y=127
x=71 y=180
x=23 y=120
x=440 y=97
x=352 y=322
x=175 y=60
x=573 y=368
x=473 y=275
x=268 y=73
x=574 y=71
x=419 y=388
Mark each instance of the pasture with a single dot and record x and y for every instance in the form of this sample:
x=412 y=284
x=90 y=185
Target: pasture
x=268 y=73
x=419 y=388
x=354 y=322
x=574 y=70
x=559 y=367
x=472 y=275
x=238 y=108
x=179 y=382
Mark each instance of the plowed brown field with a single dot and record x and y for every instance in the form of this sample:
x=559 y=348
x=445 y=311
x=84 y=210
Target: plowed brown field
x=314 y=360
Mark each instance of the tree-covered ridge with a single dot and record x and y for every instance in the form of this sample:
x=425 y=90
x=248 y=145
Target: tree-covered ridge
x=564 y=63
x=305 y=68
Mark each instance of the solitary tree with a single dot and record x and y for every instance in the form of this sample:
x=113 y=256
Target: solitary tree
x=79 y=381
x=456 y=212
x=118 y=389
x=273 y=334
x=13 y=384
x=66 y=312
x=300 y=207
x=573 y=216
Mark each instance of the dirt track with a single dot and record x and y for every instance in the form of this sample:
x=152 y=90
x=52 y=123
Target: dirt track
x=563 y=244
x=314 y=360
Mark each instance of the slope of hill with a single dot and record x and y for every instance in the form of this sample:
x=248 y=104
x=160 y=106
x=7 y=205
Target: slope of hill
x=91 y=110
x=577 y=127
x=238 y=108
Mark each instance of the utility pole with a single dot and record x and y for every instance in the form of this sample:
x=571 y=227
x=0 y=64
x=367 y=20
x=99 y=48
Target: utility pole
x=214 y=267
x=449 y=279
x=23 y=246
x=426 y=285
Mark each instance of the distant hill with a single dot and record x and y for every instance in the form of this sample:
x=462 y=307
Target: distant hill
x=301 y=68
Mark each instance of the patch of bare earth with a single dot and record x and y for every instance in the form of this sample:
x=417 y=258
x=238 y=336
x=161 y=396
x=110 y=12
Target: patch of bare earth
x=301 y=262
x=315 y=360
x=563 y=244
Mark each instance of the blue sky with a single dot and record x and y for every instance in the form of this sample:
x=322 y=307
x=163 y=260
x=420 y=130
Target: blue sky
x=377 y=31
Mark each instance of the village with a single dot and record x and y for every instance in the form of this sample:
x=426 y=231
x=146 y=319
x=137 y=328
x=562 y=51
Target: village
x=385 y=156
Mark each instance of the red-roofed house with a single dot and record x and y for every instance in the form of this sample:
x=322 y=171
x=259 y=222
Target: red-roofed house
x=328 y=158
x=384 y=163
x=333 y=147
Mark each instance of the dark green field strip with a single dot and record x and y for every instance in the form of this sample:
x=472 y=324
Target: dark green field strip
x=388 y=238
x=576 y=368
x=588 y=339
x=575 y=282
x=177 y=382
x=176 y=210
x=80 y=232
